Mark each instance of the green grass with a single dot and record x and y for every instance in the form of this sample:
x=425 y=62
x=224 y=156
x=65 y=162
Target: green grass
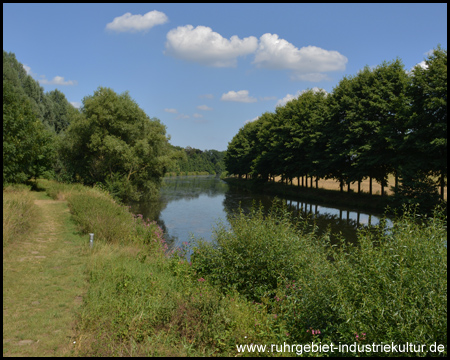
x=43 y=281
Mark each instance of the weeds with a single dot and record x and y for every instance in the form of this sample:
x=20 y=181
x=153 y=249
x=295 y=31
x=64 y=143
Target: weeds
x=19 y=213
x=391 y=287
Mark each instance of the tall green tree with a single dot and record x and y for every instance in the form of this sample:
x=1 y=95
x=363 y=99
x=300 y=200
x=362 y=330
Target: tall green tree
x=426 y=137
x=58 y=111
x=338 y=158
x=115 y=143
x=27 y=147
x=266 y=163
x=242 y=151
x=304 y=142
x=369 y=116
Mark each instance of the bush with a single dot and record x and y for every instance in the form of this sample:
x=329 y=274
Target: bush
x=389 y=288
x=94 y=214
x=393 y=286
x=256 y=253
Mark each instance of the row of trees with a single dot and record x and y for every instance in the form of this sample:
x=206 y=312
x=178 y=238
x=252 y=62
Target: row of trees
x=382 y=121
x=210 y=161
x=32 y=121
x=110 y=141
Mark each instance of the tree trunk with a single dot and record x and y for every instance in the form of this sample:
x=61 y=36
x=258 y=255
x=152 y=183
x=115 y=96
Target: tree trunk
x=370 y=185
x=396 y=181
x=359 y=186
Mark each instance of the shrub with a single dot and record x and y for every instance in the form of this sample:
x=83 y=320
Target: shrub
x=96 y=214
x=256 y=253
x=391 y=287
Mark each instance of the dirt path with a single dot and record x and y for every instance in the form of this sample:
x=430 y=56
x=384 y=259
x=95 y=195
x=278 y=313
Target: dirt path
x=43 y=284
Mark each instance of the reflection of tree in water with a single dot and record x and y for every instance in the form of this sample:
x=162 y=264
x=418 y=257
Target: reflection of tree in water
x=181 y=187
x=191 y=187
x=339 y=225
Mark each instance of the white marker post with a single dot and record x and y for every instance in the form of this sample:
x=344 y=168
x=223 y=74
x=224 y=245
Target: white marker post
x=91 y=239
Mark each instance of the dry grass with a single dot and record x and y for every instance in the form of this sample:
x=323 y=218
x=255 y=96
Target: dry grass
x=19 y=214
x=331 y=184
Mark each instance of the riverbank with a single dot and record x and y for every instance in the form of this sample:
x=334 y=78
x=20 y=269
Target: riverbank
x=139 y=300
x=133 y=298
x=327 y=197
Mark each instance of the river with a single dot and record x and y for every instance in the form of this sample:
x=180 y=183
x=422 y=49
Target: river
x=190 y=206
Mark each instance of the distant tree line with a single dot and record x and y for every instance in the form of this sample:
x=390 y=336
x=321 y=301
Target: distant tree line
x=196 y=160
x=382 y=121
x=109 y=142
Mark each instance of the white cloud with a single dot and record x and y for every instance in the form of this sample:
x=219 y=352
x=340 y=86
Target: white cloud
x=207 y=47
x=57 y=80
x=197 y=115
x=248 y=121
x=423 y=65
x=240 y=96
x=132 y=23
x=204 y=107
x=182 y=116
x=290 y=97
x=206 y=96
x=307 y=62
x=172 y=111
x=76 y=104
x=27 y=69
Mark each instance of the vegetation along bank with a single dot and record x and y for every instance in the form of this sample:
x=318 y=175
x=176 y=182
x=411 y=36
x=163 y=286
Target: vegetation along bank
x=267 y=281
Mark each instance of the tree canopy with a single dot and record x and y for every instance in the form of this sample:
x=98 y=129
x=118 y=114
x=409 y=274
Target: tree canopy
x=28 y=148
x=116 y=144
x=195 y=160
x=384 y=120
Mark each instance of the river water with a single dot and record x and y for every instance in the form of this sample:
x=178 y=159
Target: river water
x=190 y=206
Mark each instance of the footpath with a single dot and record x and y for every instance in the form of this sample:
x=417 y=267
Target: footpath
x=43 y=285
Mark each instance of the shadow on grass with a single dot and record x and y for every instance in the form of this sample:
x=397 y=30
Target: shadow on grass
x=35 y=186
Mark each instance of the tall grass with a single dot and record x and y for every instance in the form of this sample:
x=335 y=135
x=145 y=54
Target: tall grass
x=391 y=287
x=19 y=213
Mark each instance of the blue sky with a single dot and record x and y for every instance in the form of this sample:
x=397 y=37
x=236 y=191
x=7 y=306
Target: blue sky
x=206 y=69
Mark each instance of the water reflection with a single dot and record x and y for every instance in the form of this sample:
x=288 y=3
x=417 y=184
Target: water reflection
x=191 y=206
